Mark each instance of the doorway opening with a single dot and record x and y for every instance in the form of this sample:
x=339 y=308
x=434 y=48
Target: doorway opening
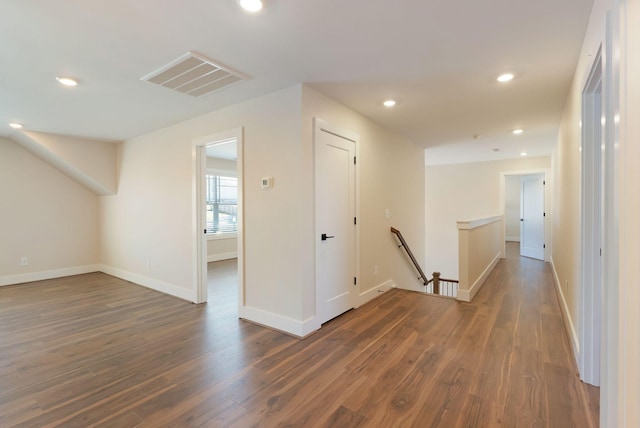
x=532 y=214
x=525 y=196
x=219 y=213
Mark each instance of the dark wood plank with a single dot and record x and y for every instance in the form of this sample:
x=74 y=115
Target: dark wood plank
x=93 y=350
x=566 y=398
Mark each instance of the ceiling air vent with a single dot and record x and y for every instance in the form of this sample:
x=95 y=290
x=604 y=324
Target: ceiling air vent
x=194 y=75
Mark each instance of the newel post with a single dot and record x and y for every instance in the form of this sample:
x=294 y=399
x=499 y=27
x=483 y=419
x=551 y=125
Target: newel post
x=436 y=283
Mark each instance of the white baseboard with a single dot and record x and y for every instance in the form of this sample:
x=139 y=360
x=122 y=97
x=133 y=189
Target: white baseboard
x=222 y=256
x=512 y=238
x=468 y=295
x=279 y=322
x=154 y=284
x=374 y=292
x=302 y=328
x=566 y=318
x=49 y=274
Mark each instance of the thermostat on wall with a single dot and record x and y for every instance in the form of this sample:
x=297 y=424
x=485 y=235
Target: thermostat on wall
x=267 y=182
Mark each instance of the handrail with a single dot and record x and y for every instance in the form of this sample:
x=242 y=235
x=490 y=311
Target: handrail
x=450 y=285
x=403 y=243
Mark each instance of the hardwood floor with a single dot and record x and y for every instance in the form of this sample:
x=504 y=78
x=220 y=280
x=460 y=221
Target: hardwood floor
x=93 y=350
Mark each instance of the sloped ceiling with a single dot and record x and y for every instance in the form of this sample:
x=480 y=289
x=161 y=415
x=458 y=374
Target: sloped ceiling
x=437 y=58
x=91 y=163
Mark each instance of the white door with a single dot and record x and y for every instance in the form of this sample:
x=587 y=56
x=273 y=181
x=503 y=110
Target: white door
x=532 y=217
x=335 y=229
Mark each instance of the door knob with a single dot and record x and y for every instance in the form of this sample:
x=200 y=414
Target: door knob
x=324 y=237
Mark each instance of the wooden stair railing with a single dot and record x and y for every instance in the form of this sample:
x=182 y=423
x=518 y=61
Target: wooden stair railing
x=403 y=243
x=440 y=286
x=444 y=286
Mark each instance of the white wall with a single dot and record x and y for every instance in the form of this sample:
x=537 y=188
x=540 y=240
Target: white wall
x=566 y=176
x=565 y=257
x=620 y=376
x=225 y=166
x=46 y=216
x=512 y=190
x=628 y=349
x=222 y=248
x=462 y=192
x=391 y=171
x=152 y=216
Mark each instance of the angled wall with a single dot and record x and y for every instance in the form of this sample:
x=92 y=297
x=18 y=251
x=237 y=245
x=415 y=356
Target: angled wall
x=46 y=216
x=91 y=163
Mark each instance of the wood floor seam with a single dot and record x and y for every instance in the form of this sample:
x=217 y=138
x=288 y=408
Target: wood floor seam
x=93 y=350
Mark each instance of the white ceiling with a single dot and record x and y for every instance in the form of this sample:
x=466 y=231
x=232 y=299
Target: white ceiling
x=437 y=58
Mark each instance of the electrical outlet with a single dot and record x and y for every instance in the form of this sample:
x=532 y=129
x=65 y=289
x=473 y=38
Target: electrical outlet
x=24 y=261
x=147 y=264
x=375 y=270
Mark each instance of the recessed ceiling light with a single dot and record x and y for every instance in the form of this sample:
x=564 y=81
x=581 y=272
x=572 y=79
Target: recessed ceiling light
x=389 y=103
x=505 y=77
x=16 y=125
x=67 y=81
x=518 y=131
x=251 y=5
x=523 y=154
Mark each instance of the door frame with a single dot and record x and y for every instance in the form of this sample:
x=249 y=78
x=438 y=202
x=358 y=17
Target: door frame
x=199 y=170
x=547 y=205
x=592 y=223
x=320 y=125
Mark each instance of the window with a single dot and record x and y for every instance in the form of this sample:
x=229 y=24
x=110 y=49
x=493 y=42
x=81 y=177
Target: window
x=222 y=204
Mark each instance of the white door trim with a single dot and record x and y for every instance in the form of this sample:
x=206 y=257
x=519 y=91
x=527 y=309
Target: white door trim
x=320 y=125
x=199 y=221
x=619 y=389
x=591 y=224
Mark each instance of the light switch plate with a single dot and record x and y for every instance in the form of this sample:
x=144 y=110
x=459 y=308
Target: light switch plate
x=267 y=182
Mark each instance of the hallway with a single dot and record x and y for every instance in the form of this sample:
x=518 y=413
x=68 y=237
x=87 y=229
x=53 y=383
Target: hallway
x=525 y=374
x=511 y=352
x=95 y=350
